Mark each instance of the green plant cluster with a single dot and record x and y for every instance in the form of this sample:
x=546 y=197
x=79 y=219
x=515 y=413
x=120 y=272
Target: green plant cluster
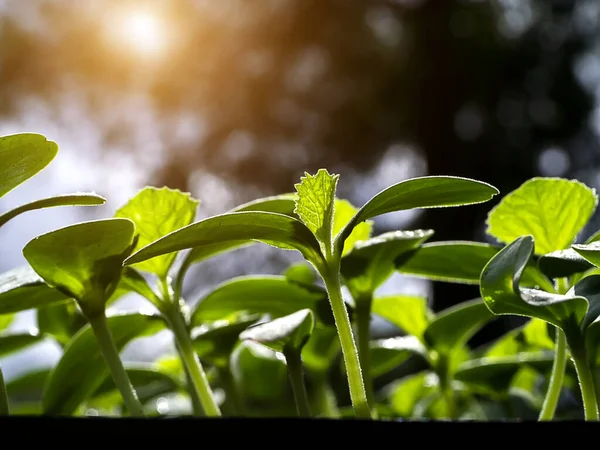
x=298 y=343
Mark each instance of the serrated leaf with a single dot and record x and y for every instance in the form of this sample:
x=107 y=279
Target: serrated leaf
x=316 y=203
x=156 y=213
x=11 y=342
x=387 y=354
x=501 y=291
x=83 y=260
x=343 y=213
x=274 y=295
x=234 y=229
x=409 y=313
x=552 y=210
x=22 y=289
x=423 y=192
x=285 y=333
x=371 y=262
x=82 y=368
x=458 y=262
x=21 y=157
x=453 y=326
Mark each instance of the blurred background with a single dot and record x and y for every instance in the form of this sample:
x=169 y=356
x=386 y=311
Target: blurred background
x=232 y=100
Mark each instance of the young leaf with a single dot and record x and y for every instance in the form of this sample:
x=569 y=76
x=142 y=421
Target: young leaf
x=343 y=213
x=424 y=192
x=459 y=262
x=235 y=228
x=501 y=291
x=22 y=289
x=281 y=204
x=316 y=203
x=13 y=342
x=51 y=202
x=273 y=295
x=408 y=391
x=21 y=157
x=552 y=210
x=454 y=326
x=133 y=281
x=590 y=252
x=409 y=313
x=387 y=354
x=371 y=262
x=156 y=213
x=563 y=263
x=82 y=368
x=83 y=260
x=288 y=332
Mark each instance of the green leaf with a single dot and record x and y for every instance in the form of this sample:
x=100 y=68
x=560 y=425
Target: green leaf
x=371 y=262
x=60 y=321
x=52 y=202
x=234 y=228
x=156 y=213
x=285 y=333
x=501 y=291
x=133 y=281
x=409 y=313
x=23 y=156
x=316 y=203
x=281 y=204
x=22 y=289
x=458 y=262
x=83 y=260
x=301 y=273
x=215 y=341
x=495 y=374
x=6 y=321
x=321 y=350
x=532 y=337
x=408 y=391
x=590 y=252
x=563 y=263
x=273 y=295
x=82 y=368
x=552 y=210
x=454 y=326
x=387 y=354
x=344 y=212
x=588 y=288
x=13 y=342
x=423 y=192
x=28 y=387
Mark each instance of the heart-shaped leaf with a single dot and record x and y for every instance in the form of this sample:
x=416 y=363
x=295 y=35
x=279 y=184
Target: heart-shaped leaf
x=82 y=368
x=459 y=262
x=22 y=289
x=156 y=213
x=387 y=354
x=83 y=260
x=215 y=341
x=52 y=202
x=501 y=291
x=454 y=326
x=13 y=342
x=563 y=263
x=287 y=333
x=271 y=228
x=21 y=157
x=495 y=374
x=423 y=192
x=552 y=210
x=409 y=313
x=371 y=262
x=274 y=295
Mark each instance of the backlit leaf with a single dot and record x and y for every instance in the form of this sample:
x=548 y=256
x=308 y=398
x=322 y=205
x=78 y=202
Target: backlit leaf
x=409 y=313
x=344 y=212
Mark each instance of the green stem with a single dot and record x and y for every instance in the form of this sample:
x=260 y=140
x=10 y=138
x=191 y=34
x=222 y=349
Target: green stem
x=296 y=374
x=107 y=345
x=192 y=363
x=586 y=384
x=363 y=338
x=196 y=403
x=556 y=378
x=4 y=408
x=443 y=372
x=358 y=395
x=325 y=398
x=232 y=396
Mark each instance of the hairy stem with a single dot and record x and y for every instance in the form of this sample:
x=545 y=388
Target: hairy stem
x=586 y=384
x=358 y=395
x=195 y=399
x=556 y=378
x=363 y=337
x=296 y=374
x=4 y=409
x=107 y=345
x=192 y=363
